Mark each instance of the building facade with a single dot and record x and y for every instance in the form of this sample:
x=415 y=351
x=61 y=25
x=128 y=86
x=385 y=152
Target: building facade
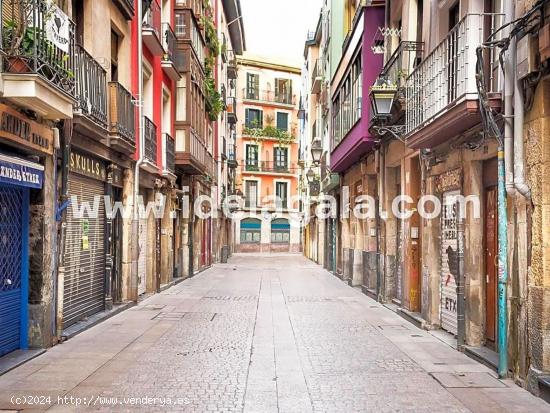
x=267 y=149
x=445 y=270
x=102 y=138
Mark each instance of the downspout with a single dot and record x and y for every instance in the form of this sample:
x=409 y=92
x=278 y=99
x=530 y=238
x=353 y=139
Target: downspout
x=519 y=155
x=135 y=221
x=461 y=303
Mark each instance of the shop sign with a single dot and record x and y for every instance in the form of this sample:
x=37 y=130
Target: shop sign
x=17 y=129
x=19 y=172
x=88 y=166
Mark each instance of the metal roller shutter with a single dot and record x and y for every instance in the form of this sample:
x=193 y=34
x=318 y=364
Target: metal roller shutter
x=84 y=288
x=142 y=262
x=398 y=262
x=11 y=261
x=448 y=253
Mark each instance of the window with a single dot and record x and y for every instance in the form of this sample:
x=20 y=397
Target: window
x=281 y=159
x=283 y=91
x=251 y=231
x=282 y=121
x=115 y=44
x=281 y=192
x=251 y=194
x=254 y=118
x=252 y=157
x=180 y=28
x=280 y=231
x=252 y=86
x=347 y=105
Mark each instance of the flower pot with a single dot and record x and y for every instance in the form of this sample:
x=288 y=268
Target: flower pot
x=18 y=65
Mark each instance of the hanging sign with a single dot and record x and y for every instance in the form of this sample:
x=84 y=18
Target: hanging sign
x=14 y=171
x=88 y=166
x=19 y=130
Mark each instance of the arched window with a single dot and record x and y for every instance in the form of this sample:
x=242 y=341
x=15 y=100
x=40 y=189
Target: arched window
x=280 y=231
x=251 y=231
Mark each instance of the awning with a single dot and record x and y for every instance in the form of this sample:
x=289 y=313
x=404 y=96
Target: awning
x=20 y=172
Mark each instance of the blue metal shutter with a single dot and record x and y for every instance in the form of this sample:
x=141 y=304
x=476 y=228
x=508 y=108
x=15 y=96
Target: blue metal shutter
x=13 y=273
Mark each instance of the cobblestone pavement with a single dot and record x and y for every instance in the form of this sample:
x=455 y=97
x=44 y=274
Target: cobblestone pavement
x=260 y=334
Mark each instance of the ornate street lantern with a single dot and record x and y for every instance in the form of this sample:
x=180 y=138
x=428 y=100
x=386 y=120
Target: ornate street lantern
x=316 y=151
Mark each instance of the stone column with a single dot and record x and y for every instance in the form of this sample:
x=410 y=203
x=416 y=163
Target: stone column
x=129 y=288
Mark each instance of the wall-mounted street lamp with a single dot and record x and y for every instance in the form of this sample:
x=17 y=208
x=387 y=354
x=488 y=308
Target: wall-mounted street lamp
x=382 y=96
x=316 y=151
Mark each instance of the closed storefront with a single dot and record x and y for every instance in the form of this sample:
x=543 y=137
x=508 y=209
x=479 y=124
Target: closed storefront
x=17 y=176
x=84 y=283
x=448 y=262
x=142 y=259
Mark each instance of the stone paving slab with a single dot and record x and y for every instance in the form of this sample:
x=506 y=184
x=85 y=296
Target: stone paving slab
x=264 y=333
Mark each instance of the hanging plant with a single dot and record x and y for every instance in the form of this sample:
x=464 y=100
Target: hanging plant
x=214 y=102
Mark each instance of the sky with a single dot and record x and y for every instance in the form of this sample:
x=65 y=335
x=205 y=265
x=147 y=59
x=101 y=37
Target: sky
x=278 y=28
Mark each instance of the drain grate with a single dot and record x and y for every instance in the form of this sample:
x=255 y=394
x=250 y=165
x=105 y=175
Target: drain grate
x=398 y=365
x=467 y=380
x=393 y=327
x=314 y=299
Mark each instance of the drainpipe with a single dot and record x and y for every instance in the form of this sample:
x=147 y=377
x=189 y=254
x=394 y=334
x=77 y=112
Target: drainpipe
x=509 y=72
x=135 y=221
x=519 y=157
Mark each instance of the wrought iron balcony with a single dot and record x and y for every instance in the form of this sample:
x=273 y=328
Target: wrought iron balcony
x=231 y=65
x=232 y=156
x=252 y=165
x=91 y=88
x=150 y=147
x=317 y=77
x=231 y=108
x=152 y=29
x=126 y=7
x=169 y=154
x=445 y=81
x=402 y=62
x=38 y=68
x=169 y=60
x=122 y=128
x=269 y=96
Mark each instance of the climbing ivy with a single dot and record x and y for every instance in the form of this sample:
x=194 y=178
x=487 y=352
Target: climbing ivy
x=214 y=103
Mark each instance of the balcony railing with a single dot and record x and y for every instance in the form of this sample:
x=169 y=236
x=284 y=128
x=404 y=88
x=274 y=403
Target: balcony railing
x=232 y=154
x=231 y=108
x=285 y=98
x=271 y=167
x=317 y=76
x=150 y=148
x=153 y=18
x=402 y=62
x=169 y=41
x=122 y=113
x=169 y=153
x=29 y=48
x=448 y=74
x=91 y=87
x=231 y=64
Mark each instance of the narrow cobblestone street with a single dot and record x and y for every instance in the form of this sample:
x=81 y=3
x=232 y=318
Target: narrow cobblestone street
x=260 y=334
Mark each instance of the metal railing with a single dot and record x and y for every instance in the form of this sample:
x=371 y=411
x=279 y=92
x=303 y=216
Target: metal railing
x=402 y=62
x=169 y=153
x=126 y=6
x=231 y=108
x=150 y=148
x=153 y=18
x=252 y=165
x=224 y=148
x=448 y=74
x=91 y=87
x=317 y=74
x=168 y=41
x=232 y=153
x=29 y=47
x=285 y=98
x=198 y=152
x=122 y=112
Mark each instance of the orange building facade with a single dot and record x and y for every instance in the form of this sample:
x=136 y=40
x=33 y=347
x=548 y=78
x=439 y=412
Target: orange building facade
x=267 y=151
